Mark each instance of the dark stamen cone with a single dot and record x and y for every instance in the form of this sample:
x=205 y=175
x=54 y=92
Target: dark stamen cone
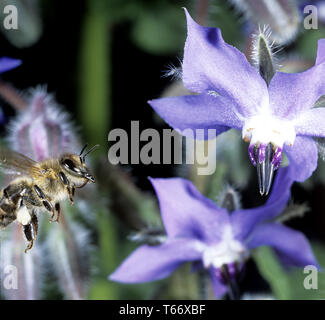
x=265 y=169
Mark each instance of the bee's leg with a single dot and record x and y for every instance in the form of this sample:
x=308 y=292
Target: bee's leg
x=70 y=189
x=30 y=231
x=49 y=207
x=39 y=192
x=71 y=194
x=57 y=211
x=29 y=223
x=14 y=193
x=29 y=236
x=46 y=203
x=34 y=222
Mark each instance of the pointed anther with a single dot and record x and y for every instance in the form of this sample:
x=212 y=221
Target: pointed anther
x=267 y=159
x=276 y=161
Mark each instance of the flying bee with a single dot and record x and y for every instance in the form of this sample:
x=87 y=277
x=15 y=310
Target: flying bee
x=39 y=185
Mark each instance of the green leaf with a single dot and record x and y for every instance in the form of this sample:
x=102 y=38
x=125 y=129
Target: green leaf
x=222 y=16
x=307 y=44
x=272 y=271
x=297 y=279
x=289 y=284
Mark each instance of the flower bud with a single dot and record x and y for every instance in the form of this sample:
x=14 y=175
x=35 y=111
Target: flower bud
x=68 y=252
x=42 y=130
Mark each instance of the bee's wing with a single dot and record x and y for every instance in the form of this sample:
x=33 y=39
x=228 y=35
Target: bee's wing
x=12 y=162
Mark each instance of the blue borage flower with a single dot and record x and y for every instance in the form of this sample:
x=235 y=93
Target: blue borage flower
x=200 y=232
x=232 y=94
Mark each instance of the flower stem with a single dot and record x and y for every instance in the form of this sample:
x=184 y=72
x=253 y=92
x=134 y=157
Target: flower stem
x=94 y=73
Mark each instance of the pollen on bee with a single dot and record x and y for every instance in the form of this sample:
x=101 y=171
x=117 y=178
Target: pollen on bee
x=23 y=216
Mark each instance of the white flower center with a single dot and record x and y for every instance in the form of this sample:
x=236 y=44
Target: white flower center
x=228 y=250
x=265 y=128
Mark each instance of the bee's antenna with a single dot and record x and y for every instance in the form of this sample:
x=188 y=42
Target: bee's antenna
x=81 y=152
x=90 y=150
x=83 y=149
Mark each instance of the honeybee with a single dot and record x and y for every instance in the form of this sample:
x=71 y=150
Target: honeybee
x=39 y=185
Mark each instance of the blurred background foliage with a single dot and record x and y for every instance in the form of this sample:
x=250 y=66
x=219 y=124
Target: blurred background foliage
x=104 y=59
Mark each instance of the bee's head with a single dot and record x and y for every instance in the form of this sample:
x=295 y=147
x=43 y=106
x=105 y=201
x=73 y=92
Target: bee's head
x=75 y=166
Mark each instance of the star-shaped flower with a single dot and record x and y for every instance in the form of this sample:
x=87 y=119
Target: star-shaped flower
x=274 y=113
x=199 y=231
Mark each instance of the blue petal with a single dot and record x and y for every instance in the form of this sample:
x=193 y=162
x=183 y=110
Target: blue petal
x=149 y=263
x=7 y=64
x=186 y=212
x=293 y=93
x=303 y=158
x=289 y=243
x=311 y=123
x=244 y=221
x=197 y=112
x=320 y=52
x=211 y=64
x=219 y=289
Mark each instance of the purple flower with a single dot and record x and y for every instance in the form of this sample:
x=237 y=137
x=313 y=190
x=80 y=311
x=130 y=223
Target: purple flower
x=273 y=117
x=43 y=130
x=7 y=64
x=199 y=231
